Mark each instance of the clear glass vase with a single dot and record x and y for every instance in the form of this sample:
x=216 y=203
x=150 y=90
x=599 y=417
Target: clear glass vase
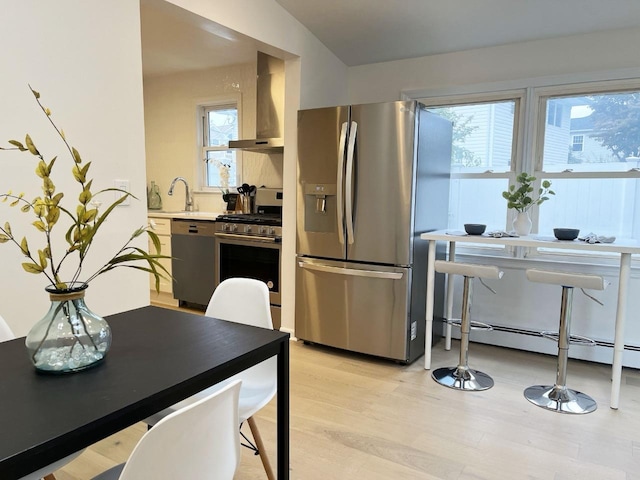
x=70 y=337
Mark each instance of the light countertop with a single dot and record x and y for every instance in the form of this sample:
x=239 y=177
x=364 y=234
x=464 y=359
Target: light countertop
x=185 y=215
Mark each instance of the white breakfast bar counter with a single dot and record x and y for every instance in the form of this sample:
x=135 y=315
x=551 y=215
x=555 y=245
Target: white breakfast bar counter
x=625 y=248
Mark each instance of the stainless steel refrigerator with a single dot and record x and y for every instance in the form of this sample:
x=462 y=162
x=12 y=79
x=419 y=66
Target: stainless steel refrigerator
x=371 y=179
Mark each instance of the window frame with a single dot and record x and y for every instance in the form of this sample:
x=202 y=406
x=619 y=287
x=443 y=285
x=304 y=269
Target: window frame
x=527 y=154
x=202 y=108
x=575 y=143
x=519 y=96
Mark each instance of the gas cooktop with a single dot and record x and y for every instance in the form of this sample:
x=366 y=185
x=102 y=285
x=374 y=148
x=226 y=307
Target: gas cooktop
x=251 y=218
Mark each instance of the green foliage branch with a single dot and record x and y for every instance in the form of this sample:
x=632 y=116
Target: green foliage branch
x=85 y=221
x=616 y=123
x=521 y=198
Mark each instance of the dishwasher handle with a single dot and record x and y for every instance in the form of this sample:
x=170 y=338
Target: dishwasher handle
x=190 y=227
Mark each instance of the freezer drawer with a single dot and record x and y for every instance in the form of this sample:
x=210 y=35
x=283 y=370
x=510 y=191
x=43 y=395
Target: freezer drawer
x=358 y=307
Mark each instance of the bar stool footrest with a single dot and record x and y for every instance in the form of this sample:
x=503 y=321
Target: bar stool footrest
x=560 y=399
x=474 y=325
x=573 y=339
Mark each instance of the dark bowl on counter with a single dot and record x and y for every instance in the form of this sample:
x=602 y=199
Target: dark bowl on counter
x=566 y=233
x=474 y=228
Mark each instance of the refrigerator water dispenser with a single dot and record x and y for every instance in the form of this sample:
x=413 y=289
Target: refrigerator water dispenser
x=320 y=206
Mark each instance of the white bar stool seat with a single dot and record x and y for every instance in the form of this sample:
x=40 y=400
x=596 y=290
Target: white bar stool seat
x=461 y=377
x=558 y=397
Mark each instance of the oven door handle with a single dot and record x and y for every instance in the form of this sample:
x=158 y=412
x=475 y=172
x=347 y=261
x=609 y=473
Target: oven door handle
x=249 y=238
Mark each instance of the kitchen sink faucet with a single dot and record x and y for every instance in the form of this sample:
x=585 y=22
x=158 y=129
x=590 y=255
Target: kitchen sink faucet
x=188 y=201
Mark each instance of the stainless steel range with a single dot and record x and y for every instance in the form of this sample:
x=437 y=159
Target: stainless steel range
x=250 y=245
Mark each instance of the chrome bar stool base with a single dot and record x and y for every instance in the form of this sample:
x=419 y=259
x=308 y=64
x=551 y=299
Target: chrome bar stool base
x=465 y=379
x=560 y=399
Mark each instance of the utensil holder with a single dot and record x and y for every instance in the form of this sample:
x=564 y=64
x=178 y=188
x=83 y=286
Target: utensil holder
x=247 y=203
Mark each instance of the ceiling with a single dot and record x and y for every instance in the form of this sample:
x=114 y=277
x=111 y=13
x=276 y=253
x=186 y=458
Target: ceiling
x=369 y=31
x=174 y=40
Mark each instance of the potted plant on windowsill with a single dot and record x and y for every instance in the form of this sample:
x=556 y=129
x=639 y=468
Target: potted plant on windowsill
x=70 y=337
x=522 y=199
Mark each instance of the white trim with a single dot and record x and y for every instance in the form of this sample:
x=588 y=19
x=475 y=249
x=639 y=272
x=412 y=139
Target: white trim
x=231 y=99
x=594 y=78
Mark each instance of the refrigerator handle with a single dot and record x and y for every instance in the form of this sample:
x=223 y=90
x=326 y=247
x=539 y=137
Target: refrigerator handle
x=351 y=271
x=340 y=183
x=349 y=182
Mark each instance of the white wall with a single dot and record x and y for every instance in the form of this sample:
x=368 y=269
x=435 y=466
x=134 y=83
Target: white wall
x=590 y=54
x=322 y=75
x=592 y=57
x=314 y=78
x=85 y=59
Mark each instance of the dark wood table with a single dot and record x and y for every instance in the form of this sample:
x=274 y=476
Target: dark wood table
x=158 y=357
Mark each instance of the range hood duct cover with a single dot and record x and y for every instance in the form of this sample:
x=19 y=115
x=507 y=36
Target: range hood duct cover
x=269 y=107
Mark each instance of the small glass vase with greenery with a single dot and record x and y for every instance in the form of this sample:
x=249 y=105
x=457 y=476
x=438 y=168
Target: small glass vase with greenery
x=70 y=337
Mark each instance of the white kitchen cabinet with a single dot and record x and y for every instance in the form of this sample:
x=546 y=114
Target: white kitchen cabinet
x=162 y=227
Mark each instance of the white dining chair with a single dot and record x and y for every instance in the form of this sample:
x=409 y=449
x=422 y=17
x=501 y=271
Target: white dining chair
x=198 y=441
x=45 y=473
x=246 y=301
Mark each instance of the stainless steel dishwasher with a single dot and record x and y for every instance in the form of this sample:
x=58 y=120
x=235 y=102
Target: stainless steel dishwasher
x=193 y=263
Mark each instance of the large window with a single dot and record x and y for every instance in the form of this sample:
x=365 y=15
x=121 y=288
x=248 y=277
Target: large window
x=481 y=160
x=220 y=165
x=593 y=162
x=584 y=138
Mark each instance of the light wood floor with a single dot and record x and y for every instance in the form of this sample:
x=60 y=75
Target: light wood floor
x=354 y=417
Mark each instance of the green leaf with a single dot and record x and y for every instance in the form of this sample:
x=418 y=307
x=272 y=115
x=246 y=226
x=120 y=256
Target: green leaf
x=76 y=155
x=4 y=238
x=32 y=148
x=156 y=241
x=138 y=232
x=25 y=208
x=50 y=166
x=43 y=259
x=41 y=169
x=32 y=268
x=84 y=170
x=84 y=197
x=77 y=174
x=24 y=246
x=18 y=144
x=39 y=224
x=100 y=221
x=39 y=207
x=48 y=187
x=7 y=228
x=90 y=215
x=57 y=198
x=53 y=215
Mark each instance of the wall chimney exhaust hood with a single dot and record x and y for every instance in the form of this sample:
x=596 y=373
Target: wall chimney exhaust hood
x=269 y=108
